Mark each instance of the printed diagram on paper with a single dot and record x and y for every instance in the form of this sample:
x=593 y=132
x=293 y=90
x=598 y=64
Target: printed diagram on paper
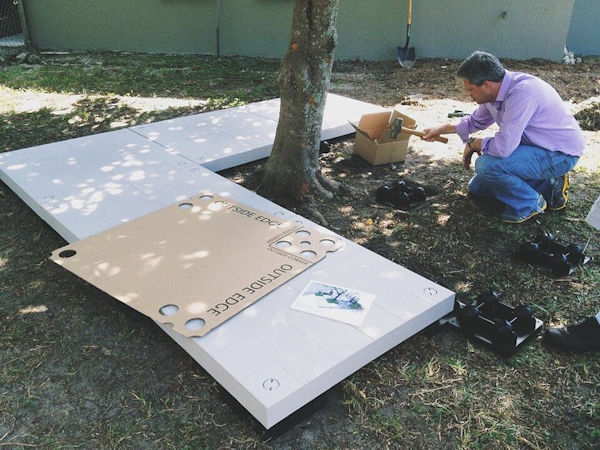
x=334 y=302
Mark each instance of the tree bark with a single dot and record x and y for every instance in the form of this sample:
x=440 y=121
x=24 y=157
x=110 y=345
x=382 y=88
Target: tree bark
x=292 y=170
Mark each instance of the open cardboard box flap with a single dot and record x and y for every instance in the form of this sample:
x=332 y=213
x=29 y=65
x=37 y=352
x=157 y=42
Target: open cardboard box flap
x=374 y=123
x=363 y=133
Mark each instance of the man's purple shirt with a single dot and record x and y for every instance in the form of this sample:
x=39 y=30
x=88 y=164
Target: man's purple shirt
x=529 y=112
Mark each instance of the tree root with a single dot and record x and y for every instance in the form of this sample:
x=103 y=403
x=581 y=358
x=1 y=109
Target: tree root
x=318 y=187
x=316 y=215
x=328 y=183
x=321 y=191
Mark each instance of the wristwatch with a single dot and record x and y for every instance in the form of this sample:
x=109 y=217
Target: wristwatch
x=469 y=142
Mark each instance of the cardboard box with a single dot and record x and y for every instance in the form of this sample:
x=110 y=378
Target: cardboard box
x=373 y=141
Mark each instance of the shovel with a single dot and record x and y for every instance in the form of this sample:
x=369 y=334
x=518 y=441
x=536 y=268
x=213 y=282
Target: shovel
x=406 y=54
x=217 y=30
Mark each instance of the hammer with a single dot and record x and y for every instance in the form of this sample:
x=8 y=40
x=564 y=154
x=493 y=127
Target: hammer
x=397 y=129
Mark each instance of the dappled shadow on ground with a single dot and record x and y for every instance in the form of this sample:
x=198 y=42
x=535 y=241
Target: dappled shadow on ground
x=86 y=116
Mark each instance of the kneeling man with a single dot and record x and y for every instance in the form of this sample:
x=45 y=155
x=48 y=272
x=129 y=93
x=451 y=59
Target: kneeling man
x=526 y=163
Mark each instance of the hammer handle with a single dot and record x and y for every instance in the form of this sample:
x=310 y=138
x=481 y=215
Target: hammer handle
x=421 y=134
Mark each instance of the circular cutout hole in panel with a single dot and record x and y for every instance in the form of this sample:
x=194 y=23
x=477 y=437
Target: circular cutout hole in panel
x=67 y=253
x=302 y=233
x=305 y=243
x=185 y=205
x=327 y=243
x=205 y=197
x=282 y=245
x=195 y=324
x=168 y=310
x=308 y=254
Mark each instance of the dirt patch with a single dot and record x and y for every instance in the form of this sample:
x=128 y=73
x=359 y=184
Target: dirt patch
x=435 y=79
x=589 y=117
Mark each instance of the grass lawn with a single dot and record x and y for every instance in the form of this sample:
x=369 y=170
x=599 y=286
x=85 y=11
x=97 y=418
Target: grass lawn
x=79 y=369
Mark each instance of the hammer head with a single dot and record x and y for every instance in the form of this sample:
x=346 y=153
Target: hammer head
x=396 y=128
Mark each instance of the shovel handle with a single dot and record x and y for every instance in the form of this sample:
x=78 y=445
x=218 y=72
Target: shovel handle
x=409 y=18
x=421 y=134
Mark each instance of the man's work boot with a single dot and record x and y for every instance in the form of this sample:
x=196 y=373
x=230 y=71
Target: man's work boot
x=511 y=217
x=575 y=338
x=560 y=192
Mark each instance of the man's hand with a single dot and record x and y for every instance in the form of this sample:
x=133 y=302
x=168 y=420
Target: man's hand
x=468 y=153
x=432 y=133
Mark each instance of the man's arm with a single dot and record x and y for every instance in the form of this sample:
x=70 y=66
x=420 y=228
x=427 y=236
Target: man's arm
x=480 y=119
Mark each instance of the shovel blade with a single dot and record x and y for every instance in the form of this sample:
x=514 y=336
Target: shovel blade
x=406 y=56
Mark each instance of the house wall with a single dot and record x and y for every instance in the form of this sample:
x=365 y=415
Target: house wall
x=584 y=32
x=370 y=30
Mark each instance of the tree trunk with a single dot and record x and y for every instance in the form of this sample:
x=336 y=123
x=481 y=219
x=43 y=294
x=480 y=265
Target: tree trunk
x=292 y=170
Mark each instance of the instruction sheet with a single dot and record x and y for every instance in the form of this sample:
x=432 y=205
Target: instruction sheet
x=334 y=302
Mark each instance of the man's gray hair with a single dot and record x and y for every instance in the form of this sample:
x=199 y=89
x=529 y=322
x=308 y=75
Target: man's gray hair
x=480 y=67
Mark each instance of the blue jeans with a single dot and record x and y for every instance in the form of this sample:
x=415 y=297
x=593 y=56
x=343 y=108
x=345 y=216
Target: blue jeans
x=518 y=180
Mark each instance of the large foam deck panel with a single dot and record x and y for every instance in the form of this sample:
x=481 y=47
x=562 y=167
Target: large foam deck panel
x=226 y=138
x=271 y=358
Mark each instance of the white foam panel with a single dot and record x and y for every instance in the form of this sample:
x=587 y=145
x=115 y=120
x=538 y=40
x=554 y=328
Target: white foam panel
x=226 y=138
x=338 y=112
x=271 y=358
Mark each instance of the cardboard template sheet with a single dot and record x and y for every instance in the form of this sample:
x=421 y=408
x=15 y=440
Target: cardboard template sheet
x=196 y=263
x=334 y=302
